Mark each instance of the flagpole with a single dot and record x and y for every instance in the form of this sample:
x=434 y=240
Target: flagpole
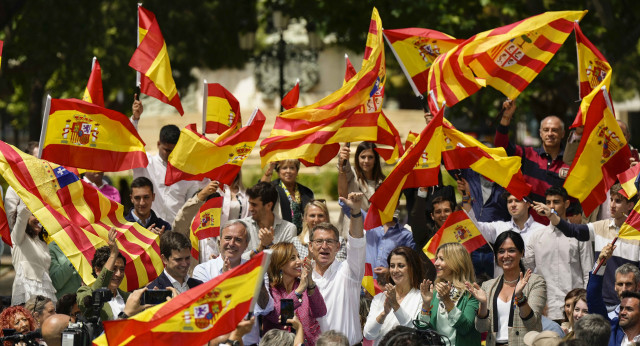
x=263 y=269
x=138 y=42
x=205 y=93
x=607 y=100
x=93 y=63
x=253 y=115
x=45 y=122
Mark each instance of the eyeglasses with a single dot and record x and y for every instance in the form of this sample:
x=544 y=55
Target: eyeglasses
x=330 y=242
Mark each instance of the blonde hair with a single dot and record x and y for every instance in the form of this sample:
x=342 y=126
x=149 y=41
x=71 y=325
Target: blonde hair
x=282 y=163
x=281 y=255
x=459 y=262
x=305 y=226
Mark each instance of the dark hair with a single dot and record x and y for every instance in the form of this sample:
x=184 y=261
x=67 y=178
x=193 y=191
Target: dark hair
x=170 y=241
x=440 y=199
x=557 y=191
x=517 y=240
x=630 y=294
x=327 y=227
x=615 y=189
x=265 y=191
x=100 y=258
x=401 y=336
x=31 y=145
x=169 y=134
x=66 y=303
x=377 y=168
x=593 y=329
x=574 y=209
x=572 y=294
x=142 y=182
x=413 y=262
x=32 y=233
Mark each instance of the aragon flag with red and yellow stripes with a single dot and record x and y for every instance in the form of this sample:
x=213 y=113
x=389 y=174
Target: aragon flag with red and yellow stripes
x=303 y=132
x=457 y=229
x=84 y=135
x=78 y=217
x=151 y=60
x=224 y=156
x=196 y=316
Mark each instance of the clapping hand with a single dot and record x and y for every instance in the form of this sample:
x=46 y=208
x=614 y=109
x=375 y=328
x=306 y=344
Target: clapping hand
x=477 y=292
x=426 y=291
x=524 y=279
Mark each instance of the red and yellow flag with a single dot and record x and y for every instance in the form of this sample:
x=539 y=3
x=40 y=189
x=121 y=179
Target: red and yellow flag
x=224 y=156
x=419 y=166
x=1 y=45
x=93 y=93
x=5 y=231
x=630 y=229
x=463 y=151
x=349 y=70
x=222 y=109
x=85 y=135
x=290 y=100
x=368 y=282
x=194 y=317
x=78 y=217
x=301 y=133
x=151 y=59
x=593 y=70
x=457 y=229
x=206 y=224
x=416 y=50
x=602 y=154
x=629 y=181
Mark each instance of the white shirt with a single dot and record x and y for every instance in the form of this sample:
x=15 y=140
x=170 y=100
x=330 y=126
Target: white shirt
x=283 y=231
x=563 y=262
x=409 y=308
x=340 y=287
x=210 y=269
x=169 y=199
x=504 y=310
x=180 y=287
x=117 y=305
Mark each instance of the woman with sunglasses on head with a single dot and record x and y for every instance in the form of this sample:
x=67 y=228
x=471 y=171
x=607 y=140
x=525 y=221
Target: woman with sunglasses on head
x=41 y=308
x=365 y=176
x=31 y=259
x=292 y=196
x=447 y=304
x=511 y=304
x=400 y=302
x=290 y=278
x=315 y=212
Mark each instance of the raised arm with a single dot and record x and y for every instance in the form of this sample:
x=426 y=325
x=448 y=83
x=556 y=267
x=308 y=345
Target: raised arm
x=580 y=232
x=354 y=201
x=344 y=171
x=595 y=303
x=502 y=133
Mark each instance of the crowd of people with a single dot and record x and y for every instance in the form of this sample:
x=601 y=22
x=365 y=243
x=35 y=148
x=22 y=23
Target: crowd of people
x=547 y=276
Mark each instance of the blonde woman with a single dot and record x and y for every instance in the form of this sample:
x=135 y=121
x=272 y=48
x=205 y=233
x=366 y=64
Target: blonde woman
x=447 y=304
x=315 y=212
x=578 y=309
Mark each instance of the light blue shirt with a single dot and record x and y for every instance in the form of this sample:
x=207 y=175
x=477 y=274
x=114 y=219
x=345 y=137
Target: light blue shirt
x=381 y=243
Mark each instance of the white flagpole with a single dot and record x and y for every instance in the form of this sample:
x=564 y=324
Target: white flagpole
x=138 y=42
x=93 y=63
x=404 y=69
x=45 y=122
x=253 y=115
x=205 y=93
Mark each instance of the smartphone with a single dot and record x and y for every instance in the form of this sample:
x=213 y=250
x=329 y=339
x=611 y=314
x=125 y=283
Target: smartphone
x=286 y=310
x=155 y=297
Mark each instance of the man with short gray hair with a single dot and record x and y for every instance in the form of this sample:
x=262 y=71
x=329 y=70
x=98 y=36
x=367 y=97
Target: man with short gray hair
x=332 y=338
x=592 y=328
x=233 y=241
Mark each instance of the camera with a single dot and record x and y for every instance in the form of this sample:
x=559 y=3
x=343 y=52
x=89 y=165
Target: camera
x=28 y=339
x=89 y=327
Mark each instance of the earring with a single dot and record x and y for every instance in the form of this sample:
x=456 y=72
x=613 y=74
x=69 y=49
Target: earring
x=280 y=275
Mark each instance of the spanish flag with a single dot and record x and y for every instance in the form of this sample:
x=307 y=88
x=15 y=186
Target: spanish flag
x=368 y=282
x=93 y=93
x=463 y=151
x=457 y=229
x=78 y=217
x=206 y=224
x=290 y=100
x=602 y=153
x=416 y=50
x=222 y=110
x=631 y=227
x=84 y=135
x=593 y=69
x=196 y=316
x=151 y=60
x=224 y=157
x=5 y=231
x=419 y=166
x=301 y=133
x=629 y=181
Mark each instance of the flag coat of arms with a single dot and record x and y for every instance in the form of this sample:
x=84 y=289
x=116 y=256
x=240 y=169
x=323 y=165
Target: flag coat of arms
x=457 y=229
x=84 y=135
x=78 y=217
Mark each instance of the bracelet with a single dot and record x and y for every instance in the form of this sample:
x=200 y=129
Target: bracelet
x=353 y=216
x=466 y=199
x=520 y=301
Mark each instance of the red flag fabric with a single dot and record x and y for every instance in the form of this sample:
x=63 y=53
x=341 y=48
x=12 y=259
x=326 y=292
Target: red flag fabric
x=151 y=59
x=93 y=92
x=5 y=231
x=629 y=181
x=290 y=100
x=457 y=229
x=223 y=109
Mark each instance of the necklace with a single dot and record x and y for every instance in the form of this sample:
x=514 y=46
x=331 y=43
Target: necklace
x=511 y=281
